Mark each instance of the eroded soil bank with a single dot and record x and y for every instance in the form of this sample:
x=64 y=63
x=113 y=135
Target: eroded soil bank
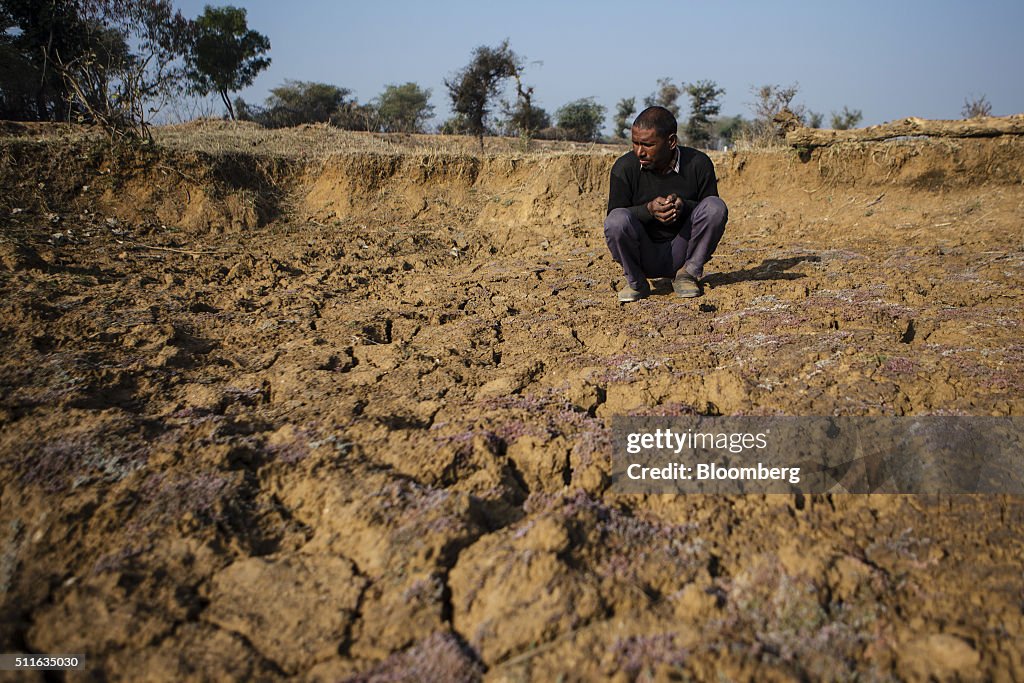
x=347 y=415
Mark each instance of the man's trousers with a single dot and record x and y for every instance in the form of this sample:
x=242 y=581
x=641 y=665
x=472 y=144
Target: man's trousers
x=642 y=258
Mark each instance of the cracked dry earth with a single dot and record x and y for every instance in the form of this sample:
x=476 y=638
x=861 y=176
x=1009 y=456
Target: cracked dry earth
x=369 y=439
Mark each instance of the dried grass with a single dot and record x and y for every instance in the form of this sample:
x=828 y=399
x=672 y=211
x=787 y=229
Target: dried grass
x=309 y=141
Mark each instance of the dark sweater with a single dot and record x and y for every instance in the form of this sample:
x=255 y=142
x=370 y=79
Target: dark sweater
x=632 y=187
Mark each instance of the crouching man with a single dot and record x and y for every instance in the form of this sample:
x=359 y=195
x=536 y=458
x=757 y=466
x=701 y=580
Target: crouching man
x=665 y=218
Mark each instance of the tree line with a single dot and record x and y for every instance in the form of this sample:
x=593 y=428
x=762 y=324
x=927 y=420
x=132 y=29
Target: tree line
x=475 y=92
x=702 y=125
x=116 y=62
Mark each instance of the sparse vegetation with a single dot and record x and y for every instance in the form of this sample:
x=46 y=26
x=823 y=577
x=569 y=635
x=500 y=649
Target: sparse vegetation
x=205 y=497
x=439 y=657
x=637 y=655
x=63 y=464
x=770 y=101
x=975 y=107
x=846 y=119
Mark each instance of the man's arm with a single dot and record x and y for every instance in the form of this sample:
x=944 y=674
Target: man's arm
x=620 y=196
x=707 y=183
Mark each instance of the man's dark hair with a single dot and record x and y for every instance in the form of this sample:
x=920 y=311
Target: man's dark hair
x=658 y=119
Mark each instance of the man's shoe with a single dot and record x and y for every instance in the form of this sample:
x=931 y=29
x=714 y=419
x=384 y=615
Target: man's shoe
x=686 y=285
x=627 y=294
x=662 y=285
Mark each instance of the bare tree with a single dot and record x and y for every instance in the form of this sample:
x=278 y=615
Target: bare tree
x=524 y=118
x=976 y=106
x=769 y=102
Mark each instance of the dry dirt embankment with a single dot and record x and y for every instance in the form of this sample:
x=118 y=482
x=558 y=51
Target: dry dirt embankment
x=345 y=413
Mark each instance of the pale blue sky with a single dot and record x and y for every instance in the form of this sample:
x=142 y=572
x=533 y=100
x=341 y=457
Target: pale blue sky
x=889 y=59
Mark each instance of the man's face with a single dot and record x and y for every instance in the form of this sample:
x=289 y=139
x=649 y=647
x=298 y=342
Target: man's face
x=655 y=152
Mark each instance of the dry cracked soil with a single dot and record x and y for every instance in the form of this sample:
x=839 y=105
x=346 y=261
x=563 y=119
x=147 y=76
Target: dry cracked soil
x=342 y=412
